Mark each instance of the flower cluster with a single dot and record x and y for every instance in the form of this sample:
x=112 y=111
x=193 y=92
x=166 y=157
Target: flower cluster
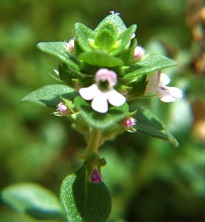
x=105 y=72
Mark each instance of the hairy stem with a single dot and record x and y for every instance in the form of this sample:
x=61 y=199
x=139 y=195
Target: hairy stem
x=94 y=141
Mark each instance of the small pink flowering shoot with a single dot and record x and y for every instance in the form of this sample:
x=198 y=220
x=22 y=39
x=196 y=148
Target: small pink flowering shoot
x=158 y=84
x=121 y=78
x=103 y=92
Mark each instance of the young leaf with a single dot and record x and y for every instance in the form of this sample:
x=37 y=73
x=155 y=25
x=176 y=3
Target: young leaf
x=98 y=120
x=83 y=35
x=149 y=124
x=113 y=23
x=50 y=95
x=124 y=39
x=105 y=40
x=33 y=200
x=58 y=50
x=84 y=201
x=151 y=63
x=101 y=59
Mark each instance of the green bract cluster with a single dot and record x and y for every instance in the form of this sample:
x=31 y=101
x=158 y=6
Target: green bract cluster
x=111 y=45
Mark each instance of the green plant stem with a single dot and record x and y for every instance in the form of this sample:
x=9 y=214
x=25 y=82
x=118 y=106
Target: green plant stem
x=94 y=141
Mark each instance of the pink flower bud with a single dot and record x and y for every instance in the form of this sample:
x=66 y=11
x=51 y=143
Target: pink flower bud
x=138 y=53
x=63 y=109
x=128 y=123
x=70 y=45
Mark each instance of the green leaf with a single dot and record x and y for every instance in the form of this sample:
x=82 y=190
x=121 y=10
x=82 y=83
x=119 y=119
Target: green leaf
x=149 y=124
x=124 y=40
x=33 y=200
x=58 y=50
x=101 y=59
x=98 y=120
x=85 y=201
x=83 y=36
x=151 y=63
x=50 y=95
x=113 y=23
x=104 y=40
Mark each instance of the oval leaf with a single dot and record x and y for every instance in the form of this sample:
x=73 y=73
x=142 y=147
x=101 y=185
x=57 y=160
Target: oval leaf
x=50 y=95
x=151 y=63
x=33 y=200
x=58 y=50
x=149 y=124
x=85 y=201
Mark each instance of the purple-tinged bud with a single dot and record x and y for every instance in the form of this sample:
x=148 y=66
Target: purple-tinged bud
x=138 y=53
x=70 y=45
x=95 y=176
x=128 y=123
x=63 y=109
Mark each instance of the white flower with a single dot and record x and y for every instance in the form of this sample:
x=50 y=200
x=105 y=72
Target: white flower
x=102 y=91
x=158 y=84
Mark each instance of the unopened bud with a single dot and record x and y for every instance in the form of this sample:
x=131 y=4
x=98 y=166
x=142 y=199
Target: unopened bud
x=128 y=123
x=138 y=53
x=63 y=109
x=95 y=177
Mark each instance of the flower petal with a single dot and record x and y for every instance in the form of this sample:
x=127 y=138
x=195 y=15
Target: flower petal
x=115 y=98
x=88 y=93
x=100 y=103
x=164 y=79
x=169 y=94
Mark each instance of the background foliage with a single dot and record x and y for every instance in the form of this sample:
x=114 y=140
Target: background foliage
x=150 y=180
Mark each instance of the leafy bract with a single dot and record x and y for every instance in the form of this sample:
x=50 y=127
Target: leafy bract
x=34 y=200
x=101 y=59
x=149 y=124
x=98 y=120
x=50 y=95
x=84 y=201
x=149 y=64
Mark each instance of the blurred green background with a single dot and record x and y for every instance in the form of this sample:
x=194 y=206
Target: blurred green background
x=150 y=180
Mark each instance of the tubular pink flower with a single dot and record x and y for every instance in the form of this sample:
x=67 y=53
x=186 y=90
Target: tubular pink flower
x=102 y=91
x=158 y=84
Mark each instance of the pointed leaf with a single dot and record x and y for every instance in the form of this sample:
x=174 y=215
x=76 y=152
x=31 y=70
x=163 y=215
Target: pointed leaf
x=149 y=124
x=58 y=50
x=101 y=59
x=84 y=201
x=113 y=23
x=50 y=95
x=33 y=200
x=151 y=63
x=124 y=40
x=83 y=36
x=98 y=120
